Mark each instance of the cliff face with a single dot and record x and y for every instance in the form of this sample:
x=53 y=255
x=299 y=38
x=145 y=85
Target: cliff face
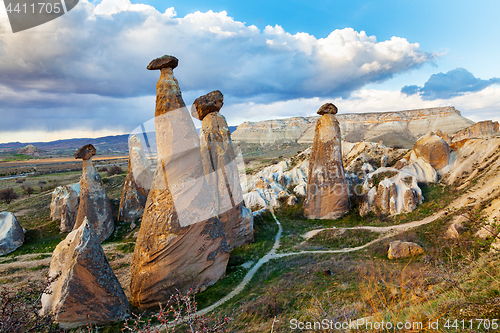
x=401 y=128
x=481 y=130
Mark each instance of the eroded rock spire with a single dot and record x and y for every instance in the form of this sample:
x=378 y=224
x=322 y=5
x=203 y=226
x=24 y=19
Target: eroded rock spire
x=181 y=243
x=327 y=189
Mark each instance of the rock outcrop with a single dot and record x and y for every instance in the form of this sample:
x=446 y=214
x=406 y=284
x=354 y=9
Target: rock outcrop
x=399 y=249
x=64 y=205
x=401 y=128
x=390 y=191
x=11 y=233
x=181 y=243
x=327 y=188
x=94 y=203
x=434 y=150
x=482 y=130
x=87 y=291
x=221 y=169
x=137 y=183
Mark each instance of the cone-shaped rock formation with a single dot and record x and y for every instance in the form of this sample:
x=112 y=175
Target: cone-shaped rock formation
x=327 y=189
x=137 y=183
x=221 y=169
x=181 y=243
x=87 y=285
x=94 y=203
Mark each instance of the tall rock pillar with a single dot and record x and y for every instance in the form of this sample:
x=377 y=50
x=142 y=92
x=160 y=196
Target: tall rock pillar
x=221 y=169
x=94 y=203
x=327 y=189
x=181 y=243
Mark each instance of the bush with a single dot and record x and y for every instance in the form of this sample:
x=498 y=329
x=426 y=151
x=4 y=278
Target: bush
x=8 y=195
x=19 y=308
x=103 y=169
x=28 y=190
x=42 y=184
x=115 y=170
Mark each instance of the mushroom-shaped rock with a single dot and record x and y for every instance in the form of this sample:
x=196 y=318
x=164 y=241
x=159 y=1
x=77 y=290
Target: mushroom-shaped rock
x=221 y=171
x=399 y=249
x=94 y=203
x=434 y=150
x=64 y=205
x=87 y=291
x=86 y=152
x=137 y=183
x=327 y=188
x=11 y=233
x=167 y=61
x=209 y=103
x=327 y=108
x=181 y=243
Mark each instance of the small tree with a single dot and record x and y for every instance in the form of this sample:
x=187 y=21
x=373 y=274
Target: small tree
x=42 y=183
x=115 y=170
x=28 y=190
x=8 y=195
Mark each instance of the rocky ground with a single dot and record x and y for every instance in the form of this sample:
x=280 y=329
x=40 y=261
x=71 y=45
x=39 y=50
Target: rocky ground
x=334 y=269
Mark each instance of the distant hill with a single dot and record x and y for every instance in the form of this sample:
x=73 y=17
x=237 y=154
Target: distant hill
x=399 y=128
x=30 y=150
x=105 y=144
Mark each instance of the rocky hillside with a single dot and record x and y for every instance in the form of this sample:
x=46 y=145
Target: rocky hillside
x=401 y=128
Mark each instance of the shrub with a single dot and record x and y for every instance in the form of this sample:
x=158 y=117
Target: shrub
x=115 y=170
x=102 y=169
x=19 y=308
x=28 y=190
x=8 y=195
x=42 y=184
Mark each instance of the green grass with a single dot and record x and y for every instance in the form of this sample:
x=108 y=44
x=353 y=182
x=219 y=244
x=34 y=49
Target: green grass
x=126 y=247
x=342 y=238
x=38 y=267
x=265 y=230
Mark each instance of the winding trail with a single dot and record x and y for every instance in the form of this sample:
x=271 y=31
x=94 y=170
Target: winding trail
x=386 y=232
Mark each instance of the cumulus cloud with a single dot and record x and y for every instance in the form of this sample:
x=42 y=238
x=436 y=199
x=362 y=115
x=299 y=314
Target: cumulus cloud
x=454 y=83
x=89 y=65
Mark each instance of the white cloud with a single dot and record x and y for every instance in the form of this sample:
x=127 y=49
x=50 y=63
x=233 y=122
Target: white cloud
x=96 y=56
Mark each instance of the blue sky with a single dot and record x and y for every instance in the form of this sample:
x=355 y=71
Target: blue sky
x=83 y=74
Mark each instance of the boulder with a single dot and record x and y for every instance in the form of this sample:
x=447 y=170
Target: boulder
x=457 y=227
x=221 y=169
x=327 y=194
x=11 y=233
x=443 y=135
x=181 y=243
x=87 y=291
x=291 y=201
x=94 y=203
x=399 y=249
x=137 y=183
x=64 y=205
x=434 y=150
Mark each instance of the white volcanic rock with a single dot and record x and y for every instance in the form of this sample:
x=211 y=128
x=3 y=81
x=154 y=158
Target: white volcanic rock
x=389 y=192
x=137 y=183
x=11 y=233
x=94 y=203
x=392 y=127
x=292 y=200
x=64 y=205
x=87 y=291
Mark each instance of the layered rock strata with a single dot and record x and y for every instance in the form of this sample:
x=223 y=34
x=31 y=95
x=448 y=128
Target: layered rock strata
x=87 y=290
x=400 y=128
x=482 y=130
x=94 y=203
x=137 y=183
x=221 y=169
x=327 y=188
x=181 y=243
